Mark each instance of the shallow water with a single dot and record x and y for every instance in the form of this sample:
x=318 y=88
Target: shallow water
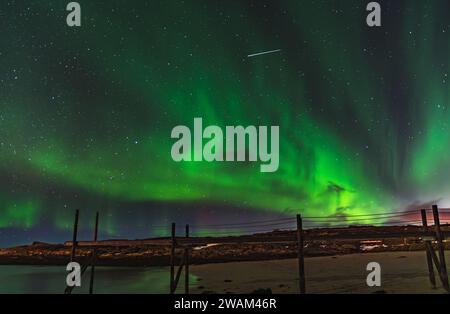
x=52 y=279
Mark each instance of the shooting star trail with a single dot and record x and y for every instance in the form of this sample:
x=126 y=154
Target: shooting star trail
x=263 y=53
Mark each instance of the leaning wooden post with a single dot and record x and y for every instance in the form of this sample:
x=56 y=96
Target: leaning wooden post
x=96 y=227
x=186 y=263
x=94 y=255
x=172 y=260
x=427 y=246
x=301 y=257
x=74 y=237
x=442 y=263
x=68 y=289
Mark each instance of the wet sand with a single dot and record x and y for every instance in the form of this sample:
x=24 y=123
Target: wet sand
x=401 y=272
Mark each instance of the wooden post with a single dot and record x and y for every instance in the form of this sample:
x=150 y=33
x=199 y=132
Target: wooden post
x=94 y=255
x=427 y=249
x=74 y=237
x=186 y=263
x=68 y=289
x=443 y=268
x=178 y=275
x=172 y=260
x=301 y=257
x=96 y=227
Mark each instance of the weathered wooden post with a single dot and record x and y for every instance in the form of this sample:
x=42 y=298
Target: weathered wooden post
x=186 y=262
x=443 y=266
x=172 y=260
x=94 y=255
x=97 y=215
x=301 y=257
x=427 y=249
x=74 y=237
x=68 y=289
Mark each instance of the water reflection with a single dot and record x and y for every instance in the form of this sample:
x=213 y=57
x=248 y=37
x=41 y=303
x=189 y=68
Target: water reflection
x=51 y=279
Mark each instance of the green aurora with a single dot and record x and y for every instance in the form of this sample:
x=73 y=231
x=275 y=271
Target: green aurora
x=86 y=113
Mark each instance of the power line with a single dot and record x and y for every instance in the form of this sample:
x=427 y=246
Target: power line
x=248 y=223
x=364 y=215
x=344 y=218
x=229 y=224
x=389 y=224
x=243 y=232
x=306 y=219
x=248 y=226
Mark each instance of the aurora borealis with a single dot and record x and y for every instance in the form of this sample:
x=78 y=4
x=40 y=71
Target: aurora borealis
x=86 y=113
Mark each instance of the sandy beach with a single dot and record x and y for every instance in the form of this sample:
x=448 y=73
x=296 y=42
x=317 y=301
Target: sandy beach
x=402 y=272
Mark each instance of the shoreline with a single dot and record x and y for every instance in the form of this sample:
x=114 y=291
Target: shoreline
x=401 y=272
x=212 y=250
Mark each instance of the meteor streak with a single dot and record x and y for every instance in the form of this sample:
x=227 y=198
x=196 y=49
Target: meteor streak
x=263 y=53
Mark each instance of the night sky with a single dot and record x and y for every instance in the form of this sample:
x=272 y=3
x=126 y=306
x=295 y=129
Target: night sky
x=86 y=113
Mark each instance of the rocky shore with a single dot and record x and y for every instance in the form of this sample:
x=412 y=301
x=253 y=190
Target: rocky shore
x=267 y=246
